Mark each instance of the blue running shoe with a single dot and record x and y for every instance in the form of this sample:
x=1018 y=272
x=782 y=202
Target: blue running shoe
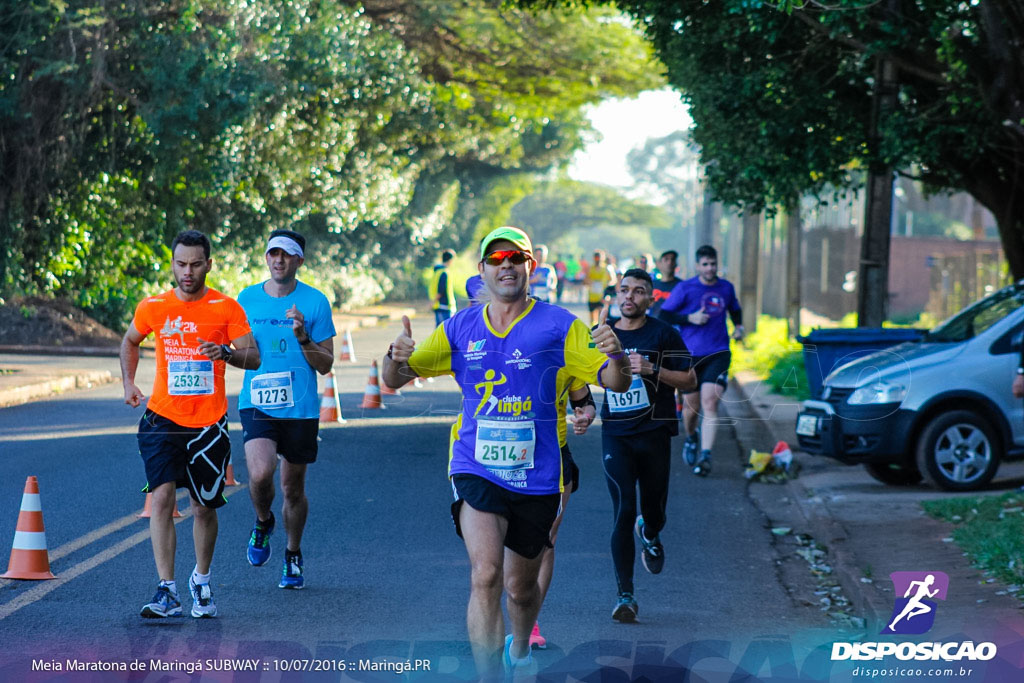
x=626 y=609
x=653 y=555
x=164 y=604
x=259 y=543
x=202 y=600
x=703 y=466
x=291 y=572
x=690 y=448
x=514 y=665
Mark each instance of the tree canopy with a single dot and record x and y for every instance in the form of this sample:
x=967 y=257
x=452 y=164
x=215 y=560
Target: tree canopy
x=375 y=128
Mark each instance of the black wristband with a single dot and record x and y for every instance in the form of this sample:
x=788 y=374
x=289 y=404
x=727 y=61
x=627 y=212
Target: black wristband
x=226 y=350
x=582 y=403
x=306 y=341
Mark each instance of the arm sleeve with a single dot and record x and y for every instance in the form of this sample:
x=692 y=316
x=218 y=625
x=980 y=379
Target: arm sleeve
x=582 y=359
x=238 y=324
x=141 y=319
x=735 y=311
x=323 y=322
x=434 y=356
x=676 y=300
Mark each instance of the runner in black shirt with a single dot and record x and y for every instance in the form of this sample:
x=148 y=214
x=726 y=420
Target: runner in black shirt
x=636 y=434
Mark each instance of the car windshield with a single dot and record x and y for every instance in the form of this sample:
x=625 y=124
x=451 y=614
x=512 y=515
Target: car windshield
x=979 y=316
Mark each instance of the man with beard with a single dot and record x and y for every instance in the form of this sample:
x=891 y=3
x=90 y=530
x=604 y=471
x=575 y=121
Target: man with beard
x=636 y=434
x=505 y=461
x=183 y=435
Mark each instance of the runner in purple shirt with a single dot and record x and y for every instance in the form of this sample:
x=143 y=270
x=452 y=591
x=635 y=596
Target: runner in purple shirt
x=697 y=307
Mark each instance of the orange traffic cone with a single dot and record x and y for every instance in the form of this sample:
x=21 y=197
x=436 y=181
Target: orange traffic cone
x=29 y=558
x=371 y=397
x=330 y=405
x=348 y=350
x=229 y=476
x=147 y=507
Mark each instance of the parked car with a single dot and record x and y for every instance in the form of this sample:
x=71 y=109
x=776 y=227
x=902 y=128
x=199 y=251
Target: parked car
x=941 y=407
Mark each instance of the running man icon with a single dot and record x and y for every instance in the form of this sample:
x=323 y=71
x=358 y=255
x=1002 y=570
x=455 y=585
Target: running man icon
x=916 y=588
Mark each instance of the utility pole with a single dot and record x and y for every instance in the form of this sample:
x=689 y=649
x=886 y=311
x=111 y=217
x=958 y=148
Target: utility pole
x=751 y=246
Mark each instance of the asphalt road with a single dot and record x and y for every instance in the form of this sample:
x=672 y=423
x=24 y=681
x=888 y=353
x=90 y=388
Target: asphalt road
x=387 y=578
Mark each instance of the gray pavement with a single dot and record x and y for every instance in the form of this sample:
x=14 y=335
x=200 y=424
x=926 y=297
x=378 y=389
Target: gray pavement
x=868 y=529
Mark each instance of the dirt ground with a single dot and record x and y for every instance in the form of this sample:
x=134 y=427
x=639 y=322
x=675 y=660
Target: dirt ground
x=35 y=321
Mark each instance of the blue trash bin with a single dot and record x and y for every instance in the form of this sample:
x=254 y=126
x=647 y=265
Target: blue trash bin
x=826 y=349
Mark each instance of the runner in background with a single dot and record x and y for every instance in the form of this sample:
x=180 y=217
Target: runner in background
x=699 y=306
x=183 y=434
x=544 y=281
x=598 y=277
x=441 y=289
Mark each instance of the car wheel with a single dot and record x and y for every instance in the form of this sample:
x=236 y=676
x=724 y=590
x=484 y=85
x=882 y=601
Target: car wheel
x=894 y=475
x=958 y=451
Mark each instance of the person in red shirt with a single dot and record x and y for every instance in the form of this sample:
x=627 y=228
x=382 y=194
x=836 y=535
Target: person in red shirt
x=183 y=435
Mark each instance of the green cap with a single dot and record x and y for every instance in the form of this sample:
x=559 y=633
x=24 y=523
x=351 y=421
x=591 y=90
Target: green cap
x=509 y=234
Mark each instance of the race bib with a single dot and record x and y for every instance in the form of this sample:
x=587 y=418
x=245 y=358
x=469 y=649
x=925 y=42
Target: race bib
x=190 y=377
x=597 y=287
x=505 y=445
x=629 y=400
x=272 y=390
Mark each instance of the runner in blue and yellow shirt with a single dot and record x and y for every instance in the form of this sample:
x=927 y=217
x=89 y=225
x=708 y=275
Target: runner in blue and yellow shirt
x=505 y=460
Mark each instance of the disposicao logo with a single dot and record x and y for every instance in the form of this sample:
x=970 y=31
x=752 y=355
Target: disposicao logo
x=914 y=613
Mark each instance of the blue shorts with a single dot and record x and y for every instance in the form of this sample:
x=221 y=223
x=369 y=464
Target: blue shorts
x=296 y=439
x=192 y=457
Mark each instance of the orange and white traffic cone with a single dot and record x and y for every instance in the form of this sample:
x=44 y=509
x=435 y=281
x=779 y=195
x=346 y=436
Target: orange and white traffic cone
x=29 y=557
x=229 y=476
x=147 y=508
x=371 y=397
x=348 y=350
x=330 y=404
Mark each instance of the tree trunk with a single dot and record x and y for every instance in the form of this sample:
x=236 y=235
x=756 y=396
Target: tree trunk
x=794 y=232
x=751 y=246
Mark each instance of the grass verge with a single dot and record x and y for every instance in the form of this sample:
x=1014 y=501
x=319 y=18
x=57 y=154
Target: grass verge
x=990 y=530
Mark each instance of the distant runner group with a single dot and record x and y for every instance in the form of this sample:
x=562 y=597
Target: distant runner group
x=520 y=361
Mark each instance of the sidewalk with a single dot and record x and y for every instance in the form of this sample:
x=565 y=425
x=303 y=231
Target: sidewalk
x=869 y=529
x=35 y=373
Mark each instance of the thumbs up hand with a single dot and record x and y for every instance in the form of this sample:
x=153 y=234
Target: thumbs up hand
x=605 y=338
x=404 y=345
x=699 y=317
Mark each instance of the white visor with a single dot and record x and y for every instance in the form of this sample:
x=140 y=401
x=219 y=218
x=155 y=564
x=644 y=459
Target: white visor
x=289 y=245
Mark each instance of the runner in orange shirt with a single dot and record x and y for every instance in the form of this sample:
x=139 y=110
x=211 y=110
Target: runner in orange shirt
x=183 y=435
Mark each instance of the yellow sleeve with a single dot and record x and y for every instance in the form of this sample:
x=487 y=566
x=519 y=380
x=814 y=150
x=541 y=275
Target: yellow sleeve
x=582 y=359
x=434 y=356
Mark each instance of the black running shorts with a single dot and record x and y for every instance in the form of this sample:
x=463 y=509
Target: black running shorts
x=192 y=457
x=712 y=369
x=529 y=517
x=295 y=438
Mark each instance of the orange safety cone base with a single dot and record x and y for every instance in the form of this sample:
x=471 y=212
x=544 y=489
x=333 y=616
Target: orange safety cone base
x=29 y=557
x=229 y=477
x=146 y=508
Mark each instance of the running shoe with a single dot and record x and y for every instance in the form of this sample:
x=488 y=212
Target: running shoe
x=259 y=543
x=690 y=448
x=513 y=665
x=291 y=572
x=536 y=639
x=703 y=466
x=626 y=609
x=653 y=555
x=202 y=599
x=164 y=604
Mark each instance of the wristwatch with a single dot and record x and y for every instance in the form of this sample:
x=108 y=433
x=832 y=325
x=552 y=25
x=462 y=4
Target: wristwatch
x=226 y=349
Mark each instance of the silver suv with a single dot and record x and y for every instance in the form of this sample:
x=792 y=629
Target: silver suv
x=941 y=407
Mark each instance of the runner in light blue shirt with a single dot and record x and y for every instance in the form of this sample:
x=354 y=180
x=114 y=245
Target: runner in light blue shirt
x=278 y=404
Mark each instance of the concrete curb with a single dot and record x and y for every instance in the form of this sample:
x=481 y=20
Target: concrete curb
x=825 y=529
x=53 y=385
